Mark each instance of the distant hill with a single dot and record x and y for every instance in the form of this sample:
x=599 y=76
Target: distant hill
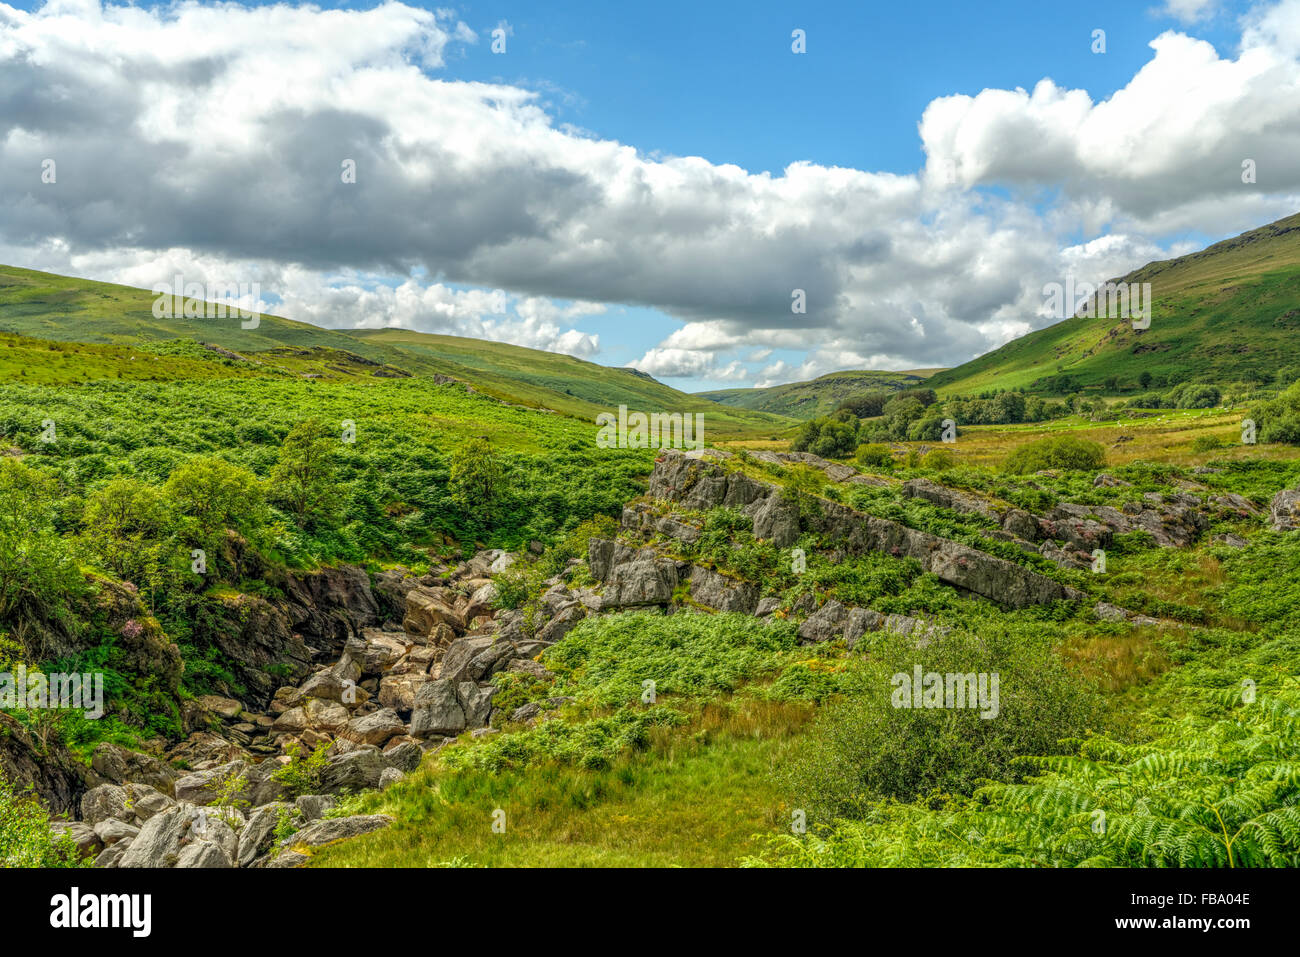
x=1230 y=312
x=820 y=396
x=112 y=318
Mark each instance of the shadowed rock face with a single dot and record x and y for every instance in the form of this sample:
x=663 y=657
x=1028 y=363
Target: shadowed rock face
x=699 y=484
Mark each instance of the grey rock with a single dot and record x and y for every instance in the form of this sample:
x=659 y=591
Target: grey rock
x=722 y=593
x=312 y=807
x=256 y=836
x=476 y=702
x=329 y=830
x=437 y=711
x=204 y=854
x=112 y=830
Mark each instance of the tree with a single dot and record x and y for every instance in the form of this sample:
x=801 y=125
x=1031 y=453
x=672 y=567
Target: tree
x=126 y=525
x=1144 y=380
x=212 y=495
x=477 y=476
x=303 y=479
x=36 y=566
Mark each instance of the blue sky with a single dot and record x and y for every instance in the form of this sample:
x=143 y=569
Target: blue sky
x=683 y=270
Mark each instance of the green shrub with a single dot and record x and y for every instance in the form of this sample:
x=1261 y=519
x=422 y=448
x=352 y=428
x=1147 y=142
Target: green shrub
x=26 y=838
x=1056 y=452
x=866 y=747
x=875 y=455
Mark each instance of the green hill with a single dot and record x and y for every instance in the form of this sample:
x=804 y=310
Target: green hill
x=1230 y=312
x=115 y=322
x=820 y=396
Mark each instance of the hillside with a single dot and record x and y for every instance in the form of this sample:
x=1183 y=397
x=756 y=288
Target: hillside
x=820 y=396
x=43 y=306
x=1230 y=312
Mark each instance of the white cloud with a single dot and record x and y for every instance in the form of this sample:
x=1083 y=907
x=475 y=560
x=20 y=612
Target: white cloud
x=214 y=136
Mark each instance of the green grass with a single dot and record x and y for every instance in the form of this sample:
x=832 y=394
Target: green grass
x=699 y=796
x=45 y=306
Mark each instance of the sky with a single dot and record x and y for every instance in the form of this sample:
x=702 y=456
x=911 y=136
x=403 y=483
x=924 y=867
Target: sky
x=648 y=185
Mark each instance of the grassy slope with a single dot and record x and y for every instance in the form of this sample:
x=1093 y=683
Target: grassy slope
x=564 y=383
x=1226 y=313
x=45 y=306
x=806 y=400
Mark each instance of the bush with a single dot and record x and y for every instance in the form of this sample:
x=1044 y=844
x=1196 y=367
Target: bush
x=1279 y=420
x=26 y=838
x=1057 y=452
x=875 y=456
x=937 y=459
x=866 y=747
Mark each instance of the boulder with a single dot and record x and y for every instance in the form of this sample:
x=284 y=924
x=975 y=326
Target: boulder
x=721 y=592
x=357 y=770
x=328 y=830
x=112 y=830
x=158 y=843
x=1284 y=510
x=201 y=787
x=119 y=765
x=458 y=663
x=374 y=728
x=646 y=580
x=398 y=691
x=825 y=624
x=257 y=835
x=438 y=711
x=476 y=702
x=425 y=608
x=85 y=837
x=203 y=854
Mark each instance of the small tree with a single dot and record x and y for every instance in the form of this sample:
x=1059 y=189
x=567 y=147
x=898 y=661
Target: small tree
x=477 y=476
x=303 y=479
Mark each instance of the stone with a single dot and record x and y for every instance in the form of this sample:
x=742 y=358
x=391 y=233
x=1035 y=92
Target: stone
x=227 y=708
x=476 y=702
x=112 y=830
x=257 y=835
x=328 y=830
x=203 y=854
x=312 y=807
x=85 y=837
x=1284 y=510
x=437 y=710
x=721 y=592
x=374 y=728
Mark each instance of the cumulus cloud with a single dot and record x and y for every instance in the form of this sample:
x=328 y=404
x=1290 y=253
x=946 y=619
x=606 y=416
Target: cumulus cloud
x=219 y=136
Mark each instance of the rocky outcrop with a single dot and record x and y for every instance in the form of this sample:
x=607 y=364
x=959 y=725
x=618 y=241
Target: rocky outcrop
x=693 y=482
x=56 y=777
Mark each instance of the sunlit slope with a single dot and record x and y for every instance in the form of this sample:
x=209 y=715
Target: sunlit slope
x=1227 y=313
x=821 y=396
x=45 y=306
